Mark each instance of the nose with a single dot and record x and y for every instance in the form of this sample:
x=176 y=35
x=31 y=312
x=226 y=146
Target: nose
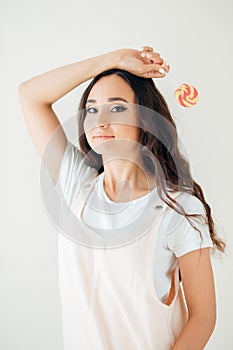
x=102 y=125
x=102 y=119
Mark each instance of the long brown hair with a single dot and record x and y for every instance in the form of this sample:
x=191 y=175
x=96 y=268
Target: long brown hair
x=158 y=136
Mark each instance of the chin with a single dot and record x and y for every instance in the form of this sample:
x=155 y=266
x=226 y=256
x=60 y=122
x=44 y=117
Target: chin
x=104 y=146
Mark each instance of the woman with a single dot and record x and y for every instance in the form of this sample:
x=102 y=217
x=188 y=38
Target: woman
x=129 y=297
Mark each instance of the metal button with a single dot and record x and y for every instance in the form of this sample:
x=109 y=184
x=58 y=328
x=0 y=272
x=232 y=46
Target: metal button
x=158 y=207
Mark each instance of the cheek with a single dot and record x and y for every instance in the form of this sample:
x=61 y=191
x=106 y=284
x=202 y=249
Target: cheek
x=89 y=139
x=133 y=127
x=131 y=132
x=87 y=133
x=85 y=126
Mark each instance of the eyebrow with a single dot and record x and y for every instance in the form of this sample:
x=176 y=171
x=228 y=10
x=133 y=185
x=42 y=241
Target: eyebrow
x=110 y=99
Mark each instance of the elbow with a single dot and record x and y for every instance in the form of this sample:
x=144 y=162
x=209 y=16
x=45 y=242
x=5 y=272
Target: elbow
x=29 y=95
x=213 y=322
x=212 y=319
x=206 y=322
x=209 y=323
x=23 y=90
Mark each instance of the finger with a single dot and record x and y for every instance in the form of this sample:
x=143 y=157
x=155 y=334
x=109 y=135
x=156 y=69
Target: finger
x=149 y=58
x=155 y=71
x=153 y=57
x=150 y=52
x=153 y=67
x=146 y=60
x=153 y=74
x=166 y=67
x=147 y=48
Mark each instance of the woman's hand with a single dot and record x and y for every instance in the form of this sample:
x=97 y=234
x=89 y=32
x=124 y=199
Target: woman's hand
x=144 y=63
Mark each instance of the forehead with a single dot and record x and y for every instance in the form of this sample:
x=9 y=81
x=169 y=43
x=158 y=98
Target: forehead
x=112 y=86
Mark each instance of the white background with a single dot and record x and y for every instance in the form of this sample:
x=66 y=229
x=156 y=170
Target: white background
x=195 y=38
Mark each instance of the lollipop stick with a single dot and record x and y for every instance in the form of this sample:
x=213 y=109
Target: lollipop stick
x=162 y=71
x=174 y=82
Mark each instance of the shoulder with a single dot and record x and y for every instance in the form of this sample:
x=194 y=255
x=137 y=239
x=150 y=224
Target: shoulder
x=74 y=158
x=190 y=203
x=179 y=234
x=72 y=152
x=73 y=169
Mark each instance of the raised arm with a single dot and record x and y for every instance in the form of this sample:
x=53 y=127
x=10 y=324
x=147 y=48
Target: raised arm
x=39 y=93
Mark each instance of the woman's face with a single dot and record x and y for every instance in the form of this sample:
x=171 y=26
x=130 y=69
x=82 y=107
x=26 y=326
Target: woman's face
x=111 y=120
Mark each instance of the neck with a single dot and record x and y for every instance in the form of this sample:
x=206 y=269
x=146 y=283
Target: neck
x=125 y=180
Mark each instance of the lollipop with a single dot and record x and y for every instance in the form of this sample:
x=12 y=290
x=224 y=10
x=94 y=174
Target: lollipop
x=186 y=95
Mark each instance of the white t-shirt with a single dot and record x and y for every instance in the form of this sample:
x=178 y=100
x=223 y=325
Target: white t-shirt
x=176 y=236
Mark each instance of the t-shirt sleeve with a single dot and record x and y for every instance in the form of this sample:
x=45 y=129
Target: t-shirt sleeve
x=181 y=237
x=73 y=171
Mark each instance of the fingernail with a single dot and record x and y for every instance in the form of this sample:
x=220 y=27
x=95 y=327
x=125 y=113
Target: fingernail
x=162 y=71
x=164 y=64
x=143 y=54
x=148 y=55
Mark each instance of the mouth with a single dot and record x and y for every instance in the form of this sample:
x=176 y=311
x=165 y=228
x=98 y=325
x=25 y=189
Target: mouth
x=103 y=137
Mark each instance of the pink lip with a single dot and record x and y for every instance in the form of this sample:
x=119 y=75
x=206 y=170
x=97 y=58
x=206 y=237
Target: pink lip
x=103 y=137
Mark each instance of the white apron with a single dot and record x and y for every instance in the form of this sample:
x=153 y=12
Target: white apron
x=108 y=297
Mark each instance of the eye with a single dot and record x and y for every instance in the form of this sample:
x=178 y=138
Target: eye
x=118 y=109
x=92 y=110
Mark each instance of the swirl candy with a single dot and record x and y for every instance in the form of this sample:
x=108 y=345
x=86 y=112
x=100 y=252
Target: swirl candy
x=186 y=95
